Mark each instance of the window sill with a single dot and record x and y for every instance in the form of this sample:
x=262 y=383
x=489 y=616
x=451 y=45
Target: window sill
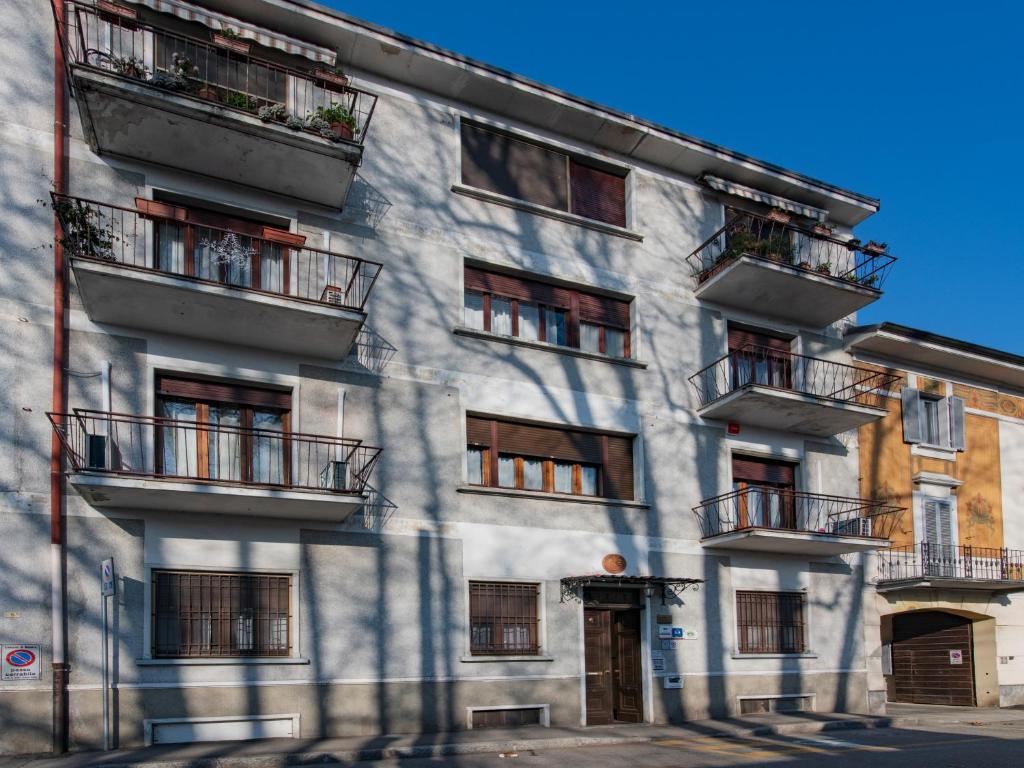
x=933 y=451
x=221 y=661
x=807 y=655
x=461 y=330
x=543 y=210
x=519 y=494
x=483 y=659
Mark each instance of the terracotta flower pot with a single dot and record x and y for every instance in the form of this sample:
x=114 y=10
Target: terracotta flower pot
x=780 y=216
x=343 y=131
x=208 y=93
x=330 y=77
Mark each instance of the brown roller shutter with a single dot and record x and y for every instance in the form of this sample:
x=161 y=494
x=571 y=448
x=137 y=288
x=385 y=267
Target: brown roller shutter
x=598 y=194
x=498 y=163
x=604 y=311
x=739 y=337
x=549 y=442
x=618 y=471
x=218 y=392
x=513 y=287
x=478 y=431
x=751 y=469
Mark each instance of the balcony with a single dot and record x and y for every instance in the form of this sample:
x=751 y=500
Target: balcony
x=766 y=387
x=777 y=269
x=153 y=268
x=143 y=462
x=766 y=519
x=212 y=108
x=927 y=565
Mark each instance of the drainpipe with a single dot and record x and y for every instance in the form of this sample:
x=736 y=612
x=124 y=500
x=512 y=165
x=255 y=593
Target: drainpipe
x=58 y=403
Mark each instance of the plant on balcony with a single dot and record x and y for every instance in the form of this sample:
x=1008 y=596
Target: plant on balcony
x=129 y=66
x=869 y=281
x=780 y=215
x=83 y=230
x=853 y=244
x=180 y=77
x=295 y=123
x=240 y=100
x=776 y=248
x=229 y=249
x=874 y=247
x=336 y=117
x=273 y=113
x=824 y=268
x=230 y=39
x=821 y=228
x=333 y=75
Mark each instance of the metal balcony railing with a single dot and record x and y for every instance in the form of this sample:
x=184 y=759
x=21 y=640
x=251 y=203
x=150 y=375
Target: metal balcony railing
x=174 y=449
x=166 y=243
x=227 y=74
x=935 y=561
x=779 y=509
x=754 y=365
x=762 y=237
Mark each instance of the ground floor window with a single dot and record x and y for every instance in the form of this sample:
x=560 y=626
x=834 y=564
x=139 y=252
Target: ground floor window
x=503 y=618
x=771 y=622
x=221 y=614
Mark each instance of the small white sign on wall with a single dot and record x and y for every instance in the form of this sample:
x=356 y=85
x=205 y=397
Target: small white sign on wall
x=19 y=662
x=658 y=665
x=664 y=632
x=956 y=657
x=674 y=681
x=669 y=645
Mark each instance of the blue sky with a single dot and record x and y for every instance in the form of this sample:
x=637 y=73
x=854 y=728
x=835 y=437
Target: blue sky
x=917 y=103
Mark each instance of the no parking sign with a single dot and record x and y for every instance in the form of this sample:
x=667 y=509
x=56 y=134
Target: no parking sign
x=19 y=662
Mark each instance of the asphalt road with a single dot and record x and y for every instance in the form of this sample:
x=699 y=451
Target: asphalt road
x=960 y=746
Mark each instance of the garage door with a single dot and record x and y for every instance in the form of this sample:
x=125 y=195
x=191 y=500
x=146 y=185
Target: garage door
x=932 y=658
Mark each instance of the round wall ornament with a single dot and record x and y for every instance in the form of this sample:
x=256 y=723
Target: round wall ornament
x=614 y=563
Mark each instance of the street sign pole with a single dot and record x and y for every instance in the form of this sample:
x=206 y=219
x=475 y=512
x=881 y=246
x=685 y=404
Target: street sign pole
x=106 y=592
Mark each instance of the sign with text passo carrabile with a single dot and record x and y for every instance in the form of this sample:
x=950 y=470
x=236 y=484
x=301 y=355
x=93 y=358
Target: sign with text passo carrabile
x=19 y=662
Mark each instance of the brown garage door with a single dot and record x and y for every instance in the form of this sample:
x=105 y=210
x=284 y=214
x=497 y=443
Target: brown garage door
x=924 y=647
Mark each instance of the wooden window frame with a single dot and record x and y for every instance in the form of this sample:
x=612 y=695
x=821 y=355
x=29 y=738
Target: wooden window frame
x=202 y=402
x=498 y=619
x=220 y=617
x=764 y=612
x=548 y=470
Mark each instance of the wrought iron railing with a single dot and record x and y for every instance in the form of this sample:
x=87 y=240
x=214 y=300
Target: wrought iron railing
x=753 y=365
x=936 y=561
x=765 y=507
x=227 y=74
x=176 y=449
x=160 y=240
x=819 y=253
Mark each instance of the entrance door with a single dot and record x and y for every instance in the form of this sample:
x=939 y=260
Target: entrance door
x=597 y=649
x=626 y=675
x=614 y=687
x=925 y=647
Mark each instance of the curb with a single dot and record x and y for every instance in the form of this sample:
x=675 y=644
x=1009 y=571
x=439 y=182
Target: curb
x=493 y=747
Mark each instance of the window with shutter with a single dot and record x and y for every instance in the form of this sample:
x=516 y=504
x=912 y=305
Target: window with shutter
x=913 y=415
x=534 y=310
x=507 y=454
x=498 y=162
x=957 y=425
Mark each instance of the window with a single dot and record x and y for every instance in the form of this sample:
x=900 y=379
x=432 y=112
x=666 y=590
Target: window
x=933 y=421
x=759 y=358
x=765 y=498
x=535 y=311
x=503 y=619
x=555 y=460
x=243 y=434
x=497 y=162
x=770 y=622
x=220 y=614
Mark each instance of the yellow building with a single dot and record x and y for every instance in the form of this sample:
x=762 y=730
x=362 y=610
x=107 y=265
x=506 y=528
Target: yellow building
x=950 y=588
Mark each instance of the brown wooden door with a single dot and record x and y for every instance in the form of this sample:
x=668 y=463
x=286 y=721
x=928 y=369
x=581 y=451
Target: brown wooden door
x=626 y=675
x=921 y=646
x=597 y=646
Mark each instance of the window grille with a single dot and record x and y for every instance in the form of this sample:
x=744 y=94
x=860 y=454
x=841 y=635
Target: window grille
x=503 y=619
x=770 y=622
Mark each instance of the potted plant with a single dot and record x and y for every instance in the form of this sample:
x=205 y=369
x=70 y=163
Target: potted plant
x=230 y=39
x=821 y=228
x=84 y=231
x=779 y=215
x=776 y=248
x=240 y=100
x=338 y=119
x=804 y=265
x=334 y=75
x=824 y=268
x=875 y=247
x=277 y=113
x=869 y=281
x=129 y=66
x=120 y=11
x=180 y=77
x=853 y=244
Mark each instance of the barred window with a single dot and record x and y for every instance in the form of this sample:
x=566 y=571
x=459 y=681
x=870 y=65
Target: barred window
x=771 y=622
x=503 y=618
x=220 y=614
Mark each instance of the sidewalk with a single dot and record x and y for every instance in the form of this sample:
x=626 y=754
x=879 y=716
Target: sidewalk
x=279 y=753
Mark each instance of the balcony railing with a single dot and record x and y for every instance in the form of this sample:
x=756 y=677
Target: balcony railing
x=776 y=509
x=226 y=74
x=761 y=237
x=934 y=561
x=754 y=365
x=172 y=245
x=173 y=449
